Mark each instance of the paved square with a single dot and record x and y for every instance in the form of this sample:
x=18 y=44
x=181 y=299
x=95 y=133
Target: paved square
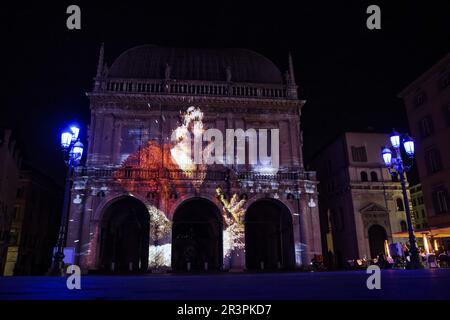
x=351 y=285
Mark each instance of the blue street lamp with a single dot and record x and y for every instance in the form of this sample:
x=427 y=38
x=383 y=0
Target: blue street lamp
x=73 y=151
x=395 y=165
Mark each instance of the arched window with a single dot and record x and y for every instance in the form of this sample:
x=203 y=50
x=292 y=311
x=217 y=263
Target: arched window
x=364 y=177
x=400 y=206
x=403 y=226
x=373 y=176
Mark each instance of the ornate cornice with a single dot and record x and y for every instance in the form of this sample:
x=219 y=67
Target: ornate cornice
x=144 y=102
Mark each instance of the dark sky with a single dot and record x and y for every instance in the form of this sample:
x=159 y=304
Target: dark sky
x=349 y=75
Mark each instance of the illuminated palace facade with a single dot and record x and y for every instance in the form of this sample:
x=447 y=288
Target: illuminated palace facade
x=138 y=206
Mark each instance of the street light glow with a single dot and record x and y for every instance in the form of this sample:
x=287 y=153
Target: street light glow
x=75 y=131
x=395 y=140
x=387 y=156
x=408 y=144
x=66 y=139
x=77 y=150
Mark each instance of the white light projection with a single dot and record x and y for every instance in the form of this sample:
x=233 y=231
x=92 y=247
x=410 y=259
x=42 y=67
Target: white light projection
x=233 y=215
x=159 y=252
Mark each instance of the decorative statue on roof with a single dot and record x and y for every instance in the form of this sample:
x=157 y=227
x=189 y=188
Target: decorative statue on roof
x=167 y=71
x=228 y=73
x=287 y=77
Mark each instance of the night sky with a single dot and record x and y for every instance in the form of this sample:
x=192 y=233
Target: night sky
x=349 y=75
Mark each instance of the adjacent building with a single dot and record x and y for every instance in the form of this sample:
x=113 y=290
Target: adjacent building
x=427 y=102
x=10 y=161
x=34 y=225
x=140 y=204
x=360 y=203
x=418 y=212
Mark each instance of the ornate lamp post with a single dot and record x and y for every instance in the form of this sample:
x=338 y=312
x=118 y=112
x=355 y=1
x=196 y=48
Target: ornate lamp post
x=73 y=150
x=395 y=164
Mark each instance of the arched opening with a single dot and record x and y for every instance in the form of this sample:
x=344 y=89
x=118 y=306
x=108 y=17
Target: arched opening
x=377 y=236
x=269 y=237
x=400 y=206
x=373 y=176
x=124 y=237
x=364 y=177
x=197 y=236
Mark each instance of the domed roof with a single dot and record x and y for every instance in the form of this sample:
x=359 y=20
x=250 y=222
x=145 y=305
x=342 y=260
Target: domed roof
x=149 y=62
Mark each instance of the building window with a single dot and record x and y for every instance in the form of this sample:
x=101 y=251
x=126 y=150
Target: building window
x=426 y=127
x=403 y=226
x=444 y=81
x=364 y=176
x=441 y=200
x=423 y=213
x=13 y=236
x=413 y=202
x=433 y=161
x=19 y=193
x=420 y=99
x=446 y=110
x=359 y=154
x=373 y=176
x=400 y=206
x=395 y=178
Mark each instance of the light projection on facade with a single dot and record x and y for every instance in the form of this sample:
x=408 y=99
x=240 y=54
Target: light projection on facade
x=159 y=252
x=233 y=217
x=159 y=146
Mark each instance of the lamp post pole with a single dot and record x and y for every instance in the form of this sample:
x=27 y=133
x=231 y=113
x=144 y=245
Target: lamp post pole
x=415 y=259
x=73 y=151
x=58 y=258
x=397 y=166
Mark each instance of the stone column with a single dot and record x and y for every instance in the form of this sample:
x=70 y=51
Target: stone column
x=116 y=142
x=86 y=237
x=73 y=227
x=295 y=143
x=296 y=225
x=107 y=136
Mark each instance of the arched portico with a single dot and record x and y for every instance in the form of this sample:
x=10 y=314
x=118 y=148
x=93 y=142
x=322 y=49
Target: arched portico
x=269 y=236
x=197 y=233
x=123 y=236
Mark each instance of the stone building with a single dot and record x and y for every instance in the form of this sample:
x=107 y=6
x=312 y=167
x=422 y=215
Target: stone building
x=140 y=204
x=427 y=102
x=10 y=161
x=418 y=205
x=34 y=224
x=360 y=203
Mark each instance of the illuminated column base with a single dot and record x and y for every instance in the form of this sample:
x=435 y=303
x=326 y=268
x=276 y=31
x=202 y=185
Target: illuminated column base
x=235 y=262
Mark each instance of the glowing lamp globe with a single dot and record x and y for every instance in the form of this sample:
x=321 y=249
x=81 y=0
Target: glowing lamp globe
x=408 y=144
x=387 y=156
x=75 y=131
x=77 y=151
x=66 y=139
x=395 y=140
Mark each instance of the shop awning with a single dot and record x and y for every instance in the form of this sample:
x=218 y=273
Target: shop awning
x=442 y=232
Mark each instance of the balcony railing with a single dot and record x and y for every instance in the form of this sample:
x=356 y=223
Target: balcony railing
x=215 y=175
x=175 y=87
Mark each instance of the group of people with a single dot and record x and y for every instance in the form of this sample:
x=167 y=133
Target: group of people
x=397 y=260
x=438 y=259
